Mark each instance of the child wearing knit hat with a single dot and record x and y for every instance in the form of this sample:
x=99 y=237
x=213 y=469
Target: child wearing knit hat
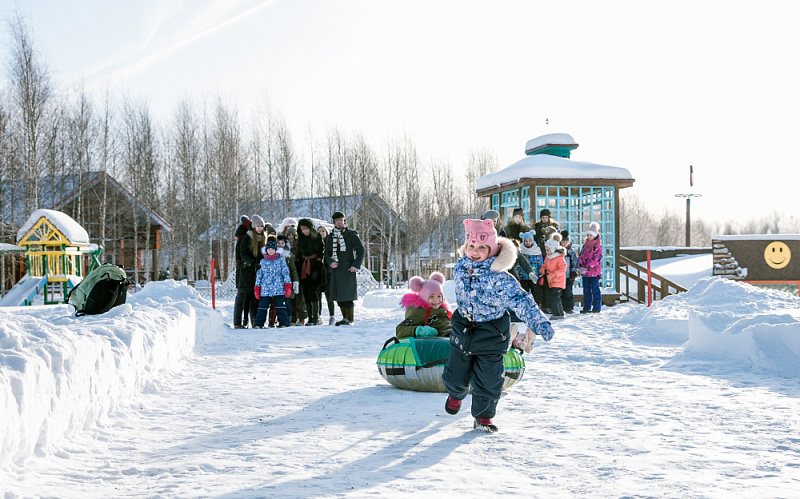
x=273 y=285
x=427 y=313
x=481 y=332
x=555 y=271
x=531 y=251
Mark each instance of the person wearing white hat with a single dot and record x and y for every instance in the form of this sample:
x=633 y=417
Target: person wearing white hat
x=590 y=267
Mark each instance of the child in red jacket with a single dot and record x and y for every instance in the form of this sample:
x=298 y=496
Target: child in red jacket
x=555 y=271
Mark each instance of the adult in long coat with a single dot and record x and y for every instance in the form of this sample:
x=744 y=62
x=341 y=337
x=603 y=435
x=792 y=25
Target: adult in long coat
x=309 y=250
x=242 y=301
x=325 y=286
x=248 y=250
x=344 y=254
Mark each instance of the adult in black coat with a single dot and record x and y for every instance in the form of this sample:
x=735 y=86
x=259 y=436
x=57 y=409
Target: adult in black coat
x=517 y=225
x=242 y=301
x=309 y=250
x=248 y=249
x=543 y=229
x=326 y=285
x=344 y=254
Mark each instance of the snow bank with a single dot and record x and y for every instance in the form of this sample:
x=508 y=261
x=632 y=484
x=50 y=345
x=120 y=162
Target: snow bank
x=719 y=319
x=61 y=374
x=684 y=270
x=383 y=298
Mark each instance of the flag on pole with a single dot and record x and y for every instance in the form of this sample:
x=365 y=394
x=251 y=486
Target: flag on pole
x=691 y=176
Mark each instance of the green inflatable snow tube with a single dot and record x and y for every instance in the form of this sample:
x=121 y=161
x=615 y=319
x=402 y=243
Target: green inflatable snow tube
x=418 y=363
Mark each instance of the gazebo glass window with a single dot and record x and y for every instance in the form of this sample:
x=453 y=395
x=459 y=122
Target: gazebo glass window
x=525 y=201
x=574 y=208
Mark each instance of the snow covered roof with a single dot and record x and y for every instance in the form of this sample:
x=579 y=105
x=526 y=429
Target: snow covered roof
x=757 y=237
x=545 y=166
x=551 y=139
x=65 y=224
x=10 y=247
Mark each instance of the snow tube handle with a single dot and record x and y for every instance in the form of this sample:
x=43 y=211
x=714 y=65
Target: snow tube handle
x=518 y=349
x=392 y=339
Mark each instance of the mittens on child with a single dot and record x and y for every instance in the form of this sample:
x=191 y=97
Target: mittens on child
x=287 y=290
x=425 y=332
x=545 y=331
x=296 y=287
x=258 y=292
x=524 y=341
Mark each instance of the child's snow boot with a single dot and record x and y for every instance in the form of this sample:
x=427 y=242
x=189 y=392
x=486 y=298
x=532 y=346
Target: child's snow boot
x=485 y=425
x=452 y=406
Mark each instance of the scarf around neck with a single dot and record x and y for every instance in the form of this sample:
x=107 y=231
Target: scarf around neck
x=338 y=243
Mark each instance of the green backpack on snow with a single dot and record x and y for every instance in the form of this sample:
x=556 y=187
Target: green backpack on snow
x=103 y=289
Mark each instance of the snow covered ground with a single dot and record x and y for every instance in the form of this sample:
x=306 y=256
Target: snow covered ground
x=696 y=396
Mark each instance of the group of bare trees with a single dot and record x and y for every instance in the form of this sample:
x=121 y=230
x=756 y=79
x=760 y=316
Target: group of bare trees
x=200 y=167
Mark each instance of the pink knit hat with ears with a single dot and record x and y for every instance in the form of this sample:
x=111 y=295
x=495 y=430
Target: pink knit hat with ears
x=481 y=232
x=426 y=288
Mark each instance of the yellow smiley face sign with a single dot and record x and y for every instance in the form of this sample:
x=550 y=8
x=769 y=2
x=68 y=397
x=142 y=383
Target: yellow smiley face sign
x=777 y=255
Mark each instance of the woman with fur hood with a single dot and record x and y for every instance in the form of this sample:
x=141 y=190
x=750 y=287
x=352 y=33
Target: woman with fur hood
x=309 y=251
x=427 y=314
x=590 y=266
x=554 y=270
x=481 y=325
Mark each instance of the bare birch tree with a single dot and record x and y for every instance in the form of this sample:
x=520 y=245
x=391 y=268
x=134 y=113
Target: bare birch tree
x=186 y=159
x=480 y=162
x=32 y=91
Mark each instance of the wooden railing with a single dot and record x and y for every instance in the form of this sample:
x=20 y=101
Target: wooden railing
x=635 y=274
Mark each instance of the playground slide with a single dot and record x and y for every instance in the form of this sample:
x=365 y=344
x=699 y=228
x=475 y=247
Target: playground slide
x=23 y=292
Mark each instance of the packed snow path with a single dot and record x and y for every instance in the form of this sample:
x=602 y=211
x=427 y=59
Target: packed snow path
x=303 y=412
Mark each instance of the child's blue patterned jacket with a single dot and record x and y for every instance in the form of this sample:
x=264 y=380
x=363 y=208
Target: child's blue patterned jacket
x=484 y=290
x=272 y=275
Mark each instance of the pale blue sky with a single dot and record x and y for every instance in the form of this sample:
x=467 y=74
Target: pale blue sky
x=651 y=87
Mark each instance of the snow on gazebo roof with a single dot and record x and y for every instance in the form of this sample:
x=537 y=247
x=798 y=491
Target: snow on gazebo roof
x=551 y=139
x=545 y=166
x=65 y=224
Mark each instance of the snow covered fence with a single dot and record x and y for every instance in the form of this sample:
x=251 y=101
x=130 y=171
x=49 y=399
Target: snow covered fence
x=61 y=374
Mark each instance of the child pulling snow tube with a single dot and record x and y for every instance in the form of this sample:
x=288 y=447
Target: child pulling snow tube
x=418 y=363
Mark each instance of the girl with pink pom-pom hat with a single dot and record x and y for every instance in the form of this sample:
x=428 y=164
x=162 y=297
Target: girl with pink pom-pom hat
x=427 y=313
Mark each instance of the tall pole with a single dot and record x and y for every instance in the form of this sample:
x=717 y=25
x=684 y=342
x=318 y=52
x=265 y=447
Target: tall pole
x=688 y=222
x=689 y=206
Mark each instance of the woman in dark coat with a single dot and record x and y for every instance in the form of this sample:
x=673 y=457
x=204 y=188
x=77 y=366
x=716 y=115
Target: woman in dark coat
x=309 y=252
x=248 y=249
x=326 y=276
x=242 y=301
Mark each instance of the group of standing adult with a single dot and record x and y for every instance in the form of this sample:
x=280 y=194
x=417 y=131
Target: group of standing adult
x=324 y=262
x=587 y=264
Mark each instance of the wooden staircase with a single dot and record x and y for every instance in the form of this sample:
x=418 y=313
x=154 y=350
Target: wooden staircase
x=635 y=279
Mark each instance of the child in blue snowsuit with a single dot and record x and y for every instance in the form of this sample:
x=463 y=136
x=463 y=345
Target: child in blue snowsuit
x=480 y=335
x=273 y=284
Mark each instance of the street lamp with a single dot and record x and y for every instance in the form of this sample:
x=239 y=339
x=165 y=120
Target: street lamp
x=688 y=215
